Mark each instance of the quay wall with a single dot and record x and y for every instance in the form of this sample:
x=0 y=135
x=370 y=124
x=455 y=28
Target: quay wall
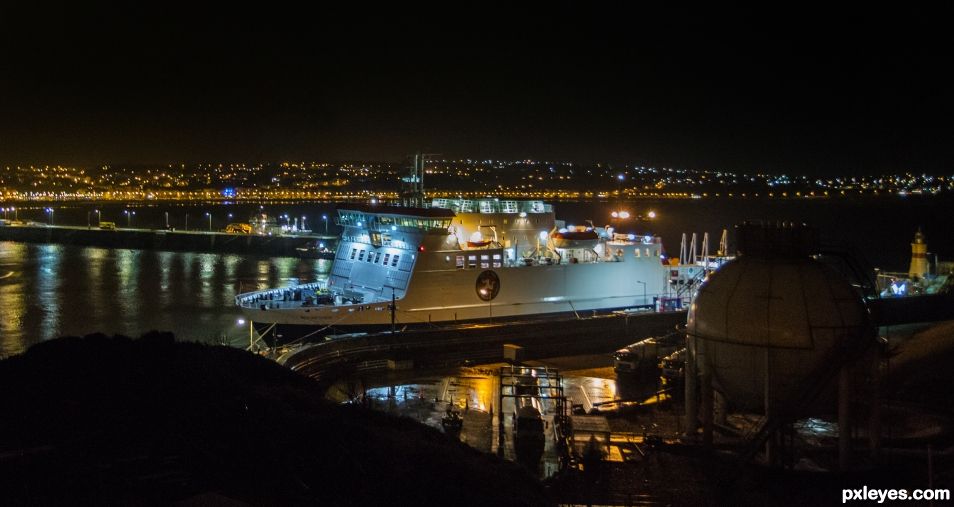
x=428 y=348
x=147 y=239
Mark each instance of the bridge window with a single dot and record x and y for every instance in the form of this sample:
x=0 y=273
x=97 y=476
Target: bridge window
x=496 y=260
x=471 y=261
x=394 y=261
x=460 y=262
x=361 y=256
x=484 y=261
x=387 y=257
x=353 y=251
x=377 y=257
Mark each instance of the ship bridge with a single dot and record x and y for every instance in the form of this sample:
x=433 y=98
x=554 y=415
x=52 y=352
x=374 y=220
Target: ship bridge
x=379 y=247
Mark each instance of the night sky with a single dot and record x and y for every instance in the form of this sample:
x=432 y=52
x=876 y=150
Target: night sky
x=801 y=91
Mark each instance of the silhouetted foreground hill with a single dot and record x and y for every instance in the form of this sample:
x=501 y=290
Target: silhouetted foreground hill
x=100 y=420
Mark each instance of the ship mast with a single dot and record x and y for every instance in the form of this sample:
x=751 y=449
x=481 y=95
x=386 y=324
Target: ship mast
x=412 y=191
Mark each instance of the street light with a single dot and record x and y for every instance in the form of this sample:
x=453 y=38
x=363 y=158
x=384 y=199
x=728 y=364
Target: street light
x=50 y=211
x=644 y=291
x=99 y=217
x=325 y=218
x=490 y=303
x=303 y=223
x=210 y=220
x=129 y=215
x=187 y=222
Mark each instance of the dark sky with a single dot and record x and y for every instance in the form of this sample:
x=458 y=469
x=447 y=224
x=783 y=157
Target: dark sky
x=802 y=91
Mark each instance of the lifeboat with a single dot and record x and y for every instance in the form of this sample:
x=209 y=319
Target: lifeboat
x=478 y=244
x=575 y=238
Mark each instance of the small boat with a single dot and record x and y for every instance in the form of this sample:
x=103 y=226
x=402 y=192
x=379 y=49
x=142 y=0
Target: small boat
x=575 y=238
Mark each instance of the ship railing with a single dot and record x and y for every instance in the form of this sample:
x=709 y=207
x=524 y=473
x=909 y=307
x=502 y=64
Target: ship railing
x=251 y=299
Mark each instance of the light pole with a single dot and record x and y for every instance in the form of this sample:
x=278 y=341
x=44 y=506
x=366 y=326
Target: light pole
x=303 y=223
x=167 y=220
x=210 y=220
x=50 y=211
x=644 y=291
x=129 y=215
x=490 y=303
x=325 y=218
x=187 y=222
x=99 y=217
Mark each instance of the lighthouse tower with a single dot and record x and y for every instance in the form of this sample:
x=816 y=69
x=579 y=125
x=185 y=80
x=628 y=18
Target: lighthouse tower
x=919 y=260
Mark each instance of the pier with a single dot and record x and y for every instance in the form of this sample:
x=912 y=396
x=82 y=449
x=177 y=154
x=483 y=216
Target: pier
x=451 y=346
x=180 y=241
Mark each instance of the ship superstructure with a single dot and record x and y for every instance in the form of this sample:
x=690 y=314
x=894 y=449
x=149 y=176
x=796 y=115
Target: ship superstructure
x=463 y=261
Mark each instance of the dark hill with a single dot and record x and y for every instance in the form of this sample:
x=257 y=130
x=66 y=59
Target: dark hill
x=100 y=420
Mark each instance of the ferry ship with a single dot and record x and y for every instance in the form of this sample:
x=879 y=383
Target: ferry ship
x=463 y=261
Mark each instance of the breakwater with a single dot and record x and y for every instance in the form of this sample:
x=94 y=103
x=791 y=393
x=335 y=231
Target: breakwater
x=180 y=241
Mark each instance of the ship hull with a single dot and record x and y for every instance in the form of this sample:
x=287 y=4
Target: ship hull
x=280 y=334
x=441 y=298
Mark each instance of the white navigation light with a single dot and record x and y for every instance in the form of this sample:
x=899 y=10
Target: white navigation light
x=523 y=214
x=562 y=230
x=615 y=214
x=631 y=237
x=648 y=239
x=393 y=227
x=359 y=224
x=476 y=237
x=543 y=234
x=240 y=322
x=624 y=214
x=651 y=214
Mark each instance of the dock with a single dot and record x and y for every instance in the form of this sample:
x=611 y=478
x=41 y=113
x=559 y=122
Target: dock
x=285 y=245
x=475 y=344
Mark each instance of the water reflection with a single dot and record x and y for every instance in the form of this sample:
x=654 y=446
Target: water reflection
x=12 y=293
x=47 y=296
x=52 y=290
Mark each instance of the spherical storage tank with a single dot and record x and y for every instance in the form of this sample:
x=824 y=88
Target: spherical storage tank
x=775 y=312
